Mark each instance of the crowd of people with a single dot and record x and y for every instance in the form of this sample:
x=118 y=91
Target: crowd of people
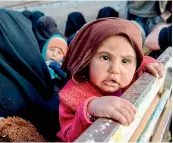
x=56 y=84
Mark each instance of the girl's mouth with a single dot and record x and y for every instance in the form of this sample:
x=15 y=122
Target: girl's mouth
x=111 y=83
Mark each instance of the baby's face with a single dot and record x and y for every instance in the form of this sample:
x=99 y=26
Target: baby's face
x=114 y=65
x=54 y=53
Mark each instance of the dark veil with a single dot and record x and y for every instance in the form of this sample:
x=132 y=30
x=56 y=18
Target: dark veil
x=107 y=12
x=46 y=27
x=74 y=22
x=25 y=85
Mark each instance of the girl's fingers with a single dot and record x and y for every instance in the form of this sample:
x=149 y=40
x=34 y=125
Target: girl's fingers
x=130 y=108
x=127 y=114
x=161 y=65
x=116 y=115
x=126 y=109
x=157 y=69
x=153 y=71
x=128 y=105
x=160 y=70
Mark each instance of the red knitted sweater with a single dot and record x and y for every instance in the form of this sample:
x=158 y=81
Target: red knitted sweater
x=73 y=107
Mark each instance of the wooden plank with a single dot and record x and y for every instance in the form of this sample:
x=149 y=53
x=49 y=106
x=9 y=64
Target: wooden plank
x=145 y=119
x=158 y=122
x=149 y=128
x=127 y=131
x=163 y=124
x=141 y=94
x=166 y=85
x=169 y=122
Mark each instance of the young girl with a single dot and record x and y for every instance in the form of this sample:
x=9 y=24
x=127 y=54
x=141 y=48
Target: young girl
x=104 y=58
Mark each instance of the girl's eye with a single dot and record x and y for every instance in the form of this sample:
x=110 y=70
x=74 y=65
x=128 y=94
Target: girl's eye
x=51 y=49
x=59 y=53
x=105 y=58
x=125 y=61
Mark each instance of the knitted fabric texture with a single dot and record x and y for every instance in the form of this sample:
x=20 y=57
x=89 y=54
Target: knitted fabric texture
x=58 y=42
x=15 y=129
x=80 y=93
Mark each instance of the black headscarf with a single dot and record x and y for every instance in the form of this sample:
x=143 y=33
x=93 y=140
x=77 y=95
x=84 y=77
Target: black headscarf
x=25 y=85
x=27 y=14
x=34 y=18
x=74 y=22
x=70 y=39
x=46 y=27
x=107 y=12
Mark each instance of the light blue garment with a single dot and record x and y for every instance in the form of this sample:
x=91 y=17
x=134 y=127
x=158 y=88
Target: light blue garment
x=51 y=71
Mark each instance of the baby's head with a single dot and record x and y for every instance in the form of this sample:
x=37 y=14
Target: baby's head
x=106 y=52
x=55 y=48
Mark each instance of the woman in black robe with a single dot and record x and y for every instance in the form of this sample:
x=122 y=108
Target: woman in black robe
x=34 y=19
x=25 y=86
x=74 y=22
x=46 y=27
x=107 y=12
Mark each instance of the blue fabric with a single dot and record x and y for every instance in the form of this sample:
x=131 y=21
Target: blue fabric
x=152 y=22
x=165 y=40
x=165 y=37
x=147 y=23
x=27 y=14
x=57 y=68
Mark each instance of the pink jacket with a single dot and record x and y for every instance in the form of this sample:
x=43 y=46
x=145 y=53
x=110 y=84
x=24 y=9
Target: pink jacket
x=73 y=107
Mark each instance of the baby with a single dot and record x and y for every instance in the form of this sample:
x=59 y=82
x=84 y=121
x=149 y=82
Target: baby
x=54 y=52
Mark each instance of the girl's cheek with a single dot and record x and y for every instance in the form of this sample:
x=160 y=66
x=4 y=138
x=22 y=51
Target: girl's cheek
x=127 y=77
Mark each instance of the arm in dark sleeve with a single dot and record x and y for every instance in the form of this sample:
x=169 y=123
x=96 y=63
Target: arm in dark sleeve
x=57 y=68
x=165 y=37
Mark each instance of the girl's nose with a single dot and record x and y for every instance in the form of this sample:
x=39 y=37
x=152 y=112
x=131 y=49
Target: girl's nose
x=114 y=68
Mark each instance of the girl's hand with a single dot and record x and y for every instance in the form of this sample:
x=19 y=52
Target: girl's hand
x=156 y=69
x=113 y=107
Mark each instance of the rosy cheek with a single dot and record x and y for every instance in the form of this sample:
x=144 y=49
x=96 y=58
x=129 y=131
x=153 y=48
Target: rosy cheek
x=127 y=78
x=92 y=72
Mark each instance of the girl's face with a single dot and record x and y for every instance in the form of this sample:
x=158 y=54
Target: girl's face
x=114 y=64
x=54 y=53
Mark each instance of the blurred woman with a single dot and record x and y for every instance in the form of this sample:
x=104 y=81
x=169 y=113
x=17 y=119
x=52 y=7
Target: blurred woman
x=25 y=85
